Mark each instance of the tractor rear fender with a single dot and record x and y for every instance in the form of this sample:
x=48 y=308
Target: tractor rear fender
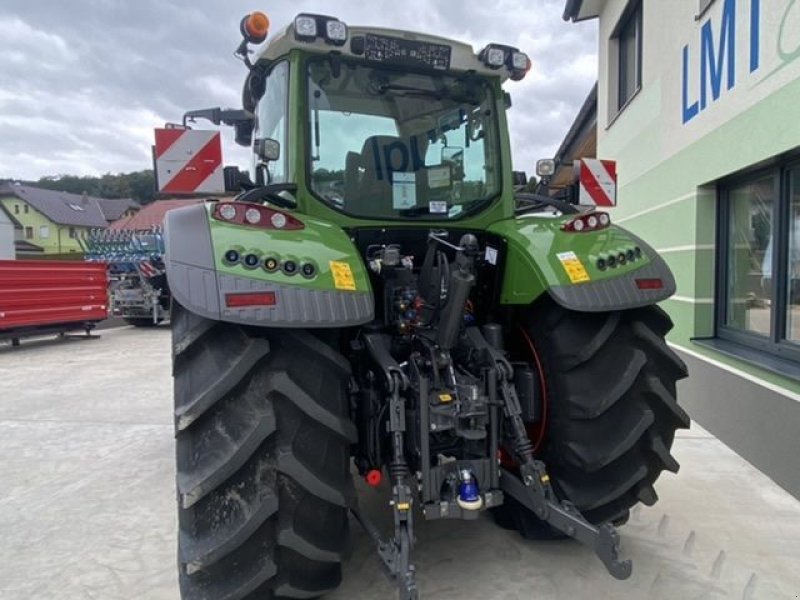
x=309 y=277
x=586 y=271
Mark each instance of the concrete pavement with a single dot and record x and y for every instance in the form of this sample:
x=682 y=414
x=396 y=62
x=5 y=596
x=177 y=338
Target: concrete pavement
x=87 y=503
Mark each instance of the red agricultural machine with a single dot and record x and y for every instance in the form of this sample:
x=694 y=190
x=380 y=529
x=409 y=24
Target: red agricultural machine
x=40 y=297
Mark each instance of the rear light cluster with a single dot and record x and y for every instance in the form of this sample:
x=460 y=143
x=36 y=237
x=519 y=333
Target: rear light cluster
x=593 y=221
x=271 y=263
x=255 y=215
x=620 y=259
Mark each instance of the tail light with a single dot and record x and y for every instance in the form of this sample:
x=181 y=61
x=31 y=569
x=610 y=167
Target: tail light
x=255 y=215
x=593 y=221
x=250 y=299
x=650 y=284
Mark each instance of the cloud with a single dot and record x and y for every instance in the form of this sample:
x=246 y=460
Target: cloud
x=82 y=84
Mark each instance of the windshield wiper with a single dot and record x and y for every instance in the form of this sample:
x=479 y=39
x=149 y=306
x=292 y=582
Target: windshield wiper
x=442 y=94
x=394 y=87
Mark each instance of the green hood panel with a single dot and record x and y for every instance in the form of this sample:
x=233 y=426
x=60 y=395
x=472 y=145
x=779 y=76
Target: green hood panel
x=335 y=293
x=336 y=262
x=542 y=258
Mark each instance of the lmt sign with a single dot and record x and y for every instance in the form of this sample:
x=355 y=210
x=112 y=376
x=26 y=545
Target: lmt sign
x=717 y=57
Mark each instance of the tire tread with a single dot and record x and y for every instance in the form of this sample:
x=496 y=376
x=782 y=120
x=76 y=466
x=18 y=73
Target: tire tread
x=253 y=507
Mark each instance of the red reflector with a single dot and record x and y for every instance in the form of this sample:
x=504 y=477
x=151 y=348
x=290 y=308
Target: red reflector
x=374 y=477
x=649 y=284
x=250 y=299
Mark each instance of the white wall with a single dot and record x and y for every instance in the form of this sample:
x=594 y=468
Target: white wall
x=6 y=237
x=670 y=28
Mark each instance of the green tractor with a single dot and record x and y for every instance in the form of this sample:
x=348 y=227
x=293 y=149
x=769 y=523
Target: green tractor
x=380 y=302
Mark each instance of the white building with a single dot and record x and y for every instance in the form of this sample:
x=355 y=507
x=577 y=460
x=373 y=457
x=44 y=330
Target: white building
x=6 y=236
x=698 y=101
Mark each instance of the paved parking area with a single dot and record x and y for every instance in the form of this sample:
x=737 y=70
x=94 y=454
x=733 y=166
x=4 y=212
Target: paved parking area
x=87 y=503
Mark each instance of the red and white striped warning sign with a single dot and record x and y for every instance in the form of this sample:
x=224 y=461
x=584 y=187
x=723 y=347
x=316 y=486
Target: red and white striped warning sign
x=189 y=161
x=597 y=182
x=148 y=269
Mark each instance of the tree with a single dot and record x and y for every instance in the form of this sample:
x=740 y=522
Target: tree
x=139 y=185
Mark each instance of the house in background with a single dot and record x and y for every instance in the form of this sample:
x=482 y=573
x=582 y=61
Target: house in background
x=115 y=209
x=150 y=215
x=51 y=222
x=697 y=101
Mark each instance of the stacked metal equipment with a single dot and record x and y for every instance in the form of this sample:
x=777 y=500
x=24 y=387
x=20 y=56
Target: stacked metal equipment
x=135 y=262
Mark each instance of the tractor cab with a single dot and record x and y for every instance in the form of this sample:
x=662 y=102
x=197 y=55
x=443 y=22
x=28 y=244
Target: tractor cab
x=378 y=124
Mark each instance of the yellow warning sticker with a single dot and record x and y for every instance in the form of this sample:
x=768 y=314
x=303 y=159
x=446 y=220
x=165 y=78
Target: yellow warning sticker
x=573 y=266
x=342 y=275
x=444 y=398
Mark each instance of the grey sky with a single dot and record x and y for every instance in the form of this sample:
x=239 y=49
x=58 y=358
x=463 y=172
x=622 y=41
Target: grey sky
x=84 y=82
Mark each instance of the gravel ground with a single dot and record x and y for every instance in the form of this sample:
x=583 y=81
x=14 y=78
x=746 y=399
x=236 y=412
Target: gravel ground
x=87 y=503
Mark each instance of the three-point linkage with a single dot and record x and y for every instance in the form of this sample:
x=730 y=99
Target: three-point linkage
x=396 y=552
x=533 y=490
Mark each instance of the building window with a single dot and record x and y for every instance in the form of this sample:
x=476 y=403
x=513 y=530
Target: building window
x=44 y=232
x=25 y=208
x=16 y=209
x=72 y=233
x=758 y=300
x=749 y=256
x=627 y=40
x=29 y=233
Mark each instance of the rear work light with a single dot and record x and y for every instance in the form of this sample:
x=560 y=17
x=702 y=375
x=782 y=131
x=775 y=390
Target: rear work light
x=307 y=28
x=250 y=299
x=336 y=32
x=255 y=215
x=496 y=56
x=593 y=221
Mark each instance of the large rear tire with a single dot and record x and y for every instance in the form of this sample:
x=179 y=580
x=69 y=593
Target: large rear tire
x=263 y=439
x=611 y=408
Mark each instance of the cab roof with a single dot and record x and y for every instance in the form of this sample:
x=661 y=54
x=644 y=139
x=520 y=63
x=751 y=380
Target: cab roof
x=463 y=57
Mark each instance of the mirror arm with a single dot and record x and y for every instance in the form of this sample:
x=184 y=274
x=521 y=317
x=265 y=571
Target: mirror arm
x=217 y=116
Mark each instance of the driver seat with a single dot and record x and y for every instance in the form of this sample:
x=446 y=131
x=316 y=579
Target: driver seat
x=370 y=192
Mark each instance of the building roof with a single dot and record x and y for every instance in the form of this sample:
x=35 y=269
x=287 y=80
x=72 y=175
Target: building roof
x=114 y=208
x=151 y=215
x=580 y=10
x=25 y=247
x=61 y=208
x=580 y=141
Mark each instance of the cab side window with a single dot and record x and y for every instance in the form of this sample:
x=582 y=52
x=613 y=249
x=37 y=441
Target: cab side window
x=271 y=119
